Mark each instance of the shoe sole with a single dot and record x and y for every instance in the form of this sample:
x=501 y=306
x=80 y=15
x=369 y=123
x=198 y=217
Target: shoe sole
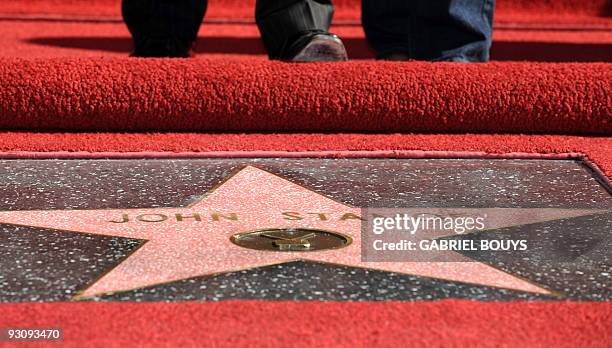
x=322 y=49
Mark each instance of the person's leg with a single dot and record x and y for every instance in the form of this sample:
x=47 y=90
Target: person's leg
x=163 y=28
x=445 y=30
x=298 y=30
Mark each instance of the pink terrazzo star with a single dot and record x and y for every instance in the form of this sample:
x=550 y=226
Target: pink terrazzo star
x=195 y=241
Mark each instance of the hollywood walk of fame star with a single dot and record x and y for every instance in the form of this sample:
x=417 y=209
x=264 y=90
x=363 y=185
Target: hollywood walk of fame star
x=180 y=243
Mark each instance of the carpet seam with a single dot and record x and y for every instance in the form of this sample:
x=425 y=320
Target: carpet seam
x=415 y=154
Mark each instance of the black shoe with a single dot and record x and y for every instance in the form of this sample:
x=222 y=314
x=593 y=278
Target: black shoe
x=323 y=47
x=163 y=28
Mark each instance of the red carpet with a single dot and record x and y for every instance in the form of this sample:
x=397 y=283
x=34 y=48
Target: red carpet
x=56 y=88
x=73 y=38
x=326 y=324
x=529 y=12
x=121 y=94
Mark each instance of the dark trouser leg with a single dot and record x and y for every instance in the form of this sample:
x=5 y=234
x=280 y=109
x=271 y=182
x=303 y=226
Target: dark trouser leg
x=282 y=22
x=163 y=28
x=430 y=29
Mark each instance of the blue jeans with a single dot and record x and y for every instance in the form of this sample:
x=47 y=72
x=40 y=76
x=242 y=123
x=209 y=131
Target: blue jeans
x=430 y=29
x=418 y=29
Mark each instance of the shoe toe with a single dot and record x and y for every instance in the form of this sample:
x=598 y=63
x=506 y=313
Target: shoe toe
x=322 y=48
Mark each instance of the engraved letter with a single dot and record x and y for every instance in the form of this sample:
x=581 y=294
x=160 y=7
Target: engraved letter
x=126 y=218
x=322 y=216
x=195 y=216
x=232 y=216
x=291 y=215
x=350 y=216
x=152 y=217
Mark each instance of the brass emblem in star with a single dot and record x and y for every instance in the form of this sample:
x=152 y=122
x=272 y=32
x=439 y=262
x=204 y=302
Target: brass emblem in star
x=291 y=239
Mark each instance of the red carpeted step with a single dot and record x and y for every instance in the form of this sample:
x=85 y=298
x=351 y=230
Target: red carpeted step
x=258 y=95
x=527 y=12
x=232 y=86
